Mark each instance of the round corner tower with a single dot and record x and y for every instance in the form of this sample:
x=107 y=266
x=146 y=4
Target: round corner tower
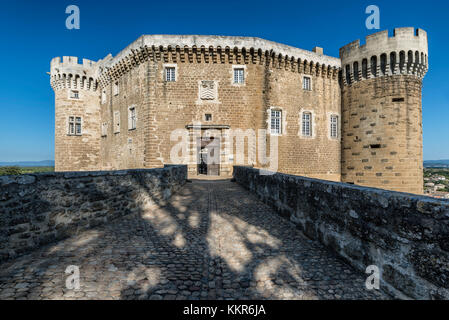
x=382 y=110
x=77 y=114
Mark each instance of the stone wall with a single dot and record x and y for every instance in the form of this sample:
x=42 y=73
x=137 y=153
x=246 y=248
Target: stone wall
x=36 y=209
x=76 y=96
x=406 y=236
x=382 y=110
x=273 y=79
x=382 y=129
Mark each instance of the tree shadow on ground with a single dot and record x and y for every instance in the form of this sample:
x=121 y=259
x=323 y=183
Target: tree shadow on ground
x=211 y=240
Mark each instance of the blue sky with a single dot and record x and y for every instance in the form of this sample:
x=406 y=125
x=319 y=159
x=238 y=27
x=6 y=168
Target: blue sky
x=33 y=32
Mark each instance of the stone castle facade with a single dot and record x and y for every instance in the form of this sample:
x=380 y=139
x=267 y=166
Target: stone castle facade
x=355 y=119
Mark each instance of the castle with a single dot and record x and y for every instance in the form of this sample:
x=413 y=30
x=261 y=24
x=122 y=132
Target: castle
x=355 y=119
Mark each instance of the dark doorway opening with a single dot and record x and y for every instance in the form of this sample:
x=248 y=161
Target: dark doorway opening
x=209 y=156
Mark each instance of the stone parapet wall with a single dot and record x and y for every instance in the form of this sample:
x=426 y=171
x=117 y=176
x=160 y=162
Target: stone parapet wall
x=37 y=209
x=405 y=236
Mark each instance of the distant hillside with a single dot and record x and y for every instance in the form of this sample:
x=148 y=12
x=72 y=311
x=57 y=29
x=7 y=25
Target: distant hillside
x=436 y=164
x=44 y=163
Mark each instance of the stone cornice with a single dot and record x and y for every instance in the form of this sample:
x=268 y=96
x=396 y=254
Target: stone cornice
x=189 y=49
x=215 y=49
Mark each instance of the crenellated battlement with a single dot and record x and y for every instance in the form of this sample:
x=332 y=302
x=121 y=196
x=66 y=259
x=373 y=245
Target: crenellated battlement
x=68 y=73
x=406 y=52
x=191 y=49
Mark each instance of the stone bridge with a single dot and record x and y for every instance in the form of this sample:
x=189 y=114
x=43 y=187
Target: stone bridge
x=212 y=240
x=152 y=234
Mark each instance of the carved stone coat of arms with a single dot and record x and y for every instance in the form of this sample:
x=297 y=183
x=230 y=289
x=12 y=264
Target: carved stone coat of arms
x=208 y=91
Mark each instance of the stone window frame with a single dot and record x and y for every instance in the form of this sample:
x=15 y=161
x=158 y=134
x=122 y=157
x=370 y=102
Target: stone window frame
x=74 y=121
x=70 y=97
x=245 y=75
x=313 y=124
x=283 y=126
x=329 y=118
x=130 y=124
x=310 y=88
x=164 y=71
x=116 y=122
x=116 y=88
x=104 y=129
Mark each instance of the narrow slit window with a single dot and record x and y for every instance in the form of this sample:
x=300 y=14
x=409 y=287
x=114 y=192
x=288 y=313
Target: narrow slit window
x=116 y=122
x=132 y=121
x=104 y=129
x=103 y=96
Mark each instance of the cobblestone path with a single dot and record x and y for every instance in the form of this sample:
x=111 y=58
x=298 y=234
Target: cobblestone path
x=214 y=240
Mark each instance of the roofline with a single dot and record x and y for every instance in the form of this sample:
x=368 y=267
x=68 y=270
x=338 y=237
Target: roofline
x=207 y=41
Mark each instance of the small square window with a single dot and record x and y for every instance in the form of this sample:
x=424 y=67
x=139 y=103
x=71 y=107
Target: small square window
x=307 y=83
x=208 y=117
x=239 y=75
x=170 y=74
x=74 y=94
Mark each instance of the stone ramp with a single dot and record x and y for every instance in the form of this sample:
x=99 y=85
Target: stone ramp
x=214 y=240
